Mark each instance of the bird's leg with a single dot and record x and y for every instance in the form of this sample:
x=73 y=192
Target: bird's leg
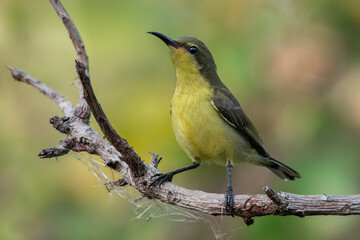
x=229 y=196
x=160 y=178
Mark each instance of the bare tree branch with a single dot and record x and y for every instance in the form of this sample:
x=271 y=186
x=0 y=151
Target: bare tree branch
x=65 y=106
x=121 y=157
x=130 y=157
x=82 y=110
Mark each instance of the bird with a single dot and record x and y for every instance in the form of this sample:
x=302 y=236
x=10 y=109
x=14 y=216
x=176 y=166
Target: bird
x=208 y=121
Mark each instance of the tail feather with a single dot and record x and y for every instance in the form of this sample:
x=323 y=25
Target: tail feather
x=281 y=170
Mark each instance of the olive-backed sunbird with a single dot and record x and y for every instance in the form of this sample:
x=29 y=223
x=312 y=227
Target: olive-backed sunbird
x=207 y=120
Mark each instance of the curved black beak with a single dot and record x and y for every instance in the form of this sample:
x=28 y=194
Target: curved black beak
x=168 y=41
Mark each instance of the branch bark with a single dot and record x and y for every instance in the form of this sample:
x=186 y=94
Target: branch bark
x=82 y=110
x=121 y=157
x=65 y=106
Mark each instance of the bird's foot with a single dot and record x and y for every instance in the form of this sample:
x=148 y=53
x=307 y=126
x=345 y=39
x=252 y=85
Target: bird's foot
x=161 y=178
x=229 y=200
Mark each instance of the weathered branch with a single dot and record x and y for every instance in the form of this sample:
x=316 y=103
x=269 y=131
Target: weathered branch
x=129 y=156
x=121 y=157
x=82 y=110
x=65 y=106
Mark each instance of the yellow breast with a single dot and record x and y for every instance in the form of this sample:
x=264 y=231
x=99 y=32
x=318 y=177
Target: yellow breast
x=198 y=127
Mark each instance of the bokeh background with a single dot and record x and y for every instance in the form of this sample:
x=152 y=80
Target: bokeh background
x=293 y=65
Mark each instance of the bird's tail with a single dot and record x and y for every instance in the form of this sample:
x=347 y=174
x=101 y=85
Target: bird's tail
x=280 y=169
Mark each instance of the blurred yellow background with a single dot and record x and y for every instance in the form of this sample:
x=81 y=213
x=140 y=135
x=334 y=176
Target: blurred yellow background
x=293 y=65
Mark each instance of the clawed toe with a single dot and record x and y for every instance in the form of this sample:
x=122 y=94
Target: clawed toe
x=229 y=200
x=160 y=178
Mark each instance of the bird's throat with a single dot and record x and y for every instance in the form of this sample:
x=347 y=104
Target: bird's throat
x=190 y=82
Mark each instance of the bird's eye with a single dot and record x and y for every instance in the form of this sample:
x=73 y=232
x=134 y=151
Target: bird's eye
x=193 y=49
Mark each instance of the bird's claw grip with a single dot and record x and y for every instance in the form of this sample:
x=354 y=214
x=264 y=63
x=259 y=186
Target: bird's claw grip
x=160 y=178
x=229 y=200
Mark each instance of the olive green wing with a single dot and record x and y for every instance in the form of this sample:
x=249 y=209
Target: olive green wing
x=230 y=110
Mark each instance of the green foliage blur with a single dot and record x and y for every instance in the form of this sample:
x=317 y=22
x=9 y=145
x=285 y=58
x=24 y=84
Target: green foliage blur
x=293 y=65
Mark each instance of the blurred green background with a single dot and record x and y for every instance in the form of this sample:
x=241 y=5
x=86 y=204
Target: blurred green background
x=293 y=65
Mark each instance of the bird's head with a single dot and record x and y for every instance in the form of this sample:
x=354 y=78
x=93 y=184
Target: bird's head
x=189 y=54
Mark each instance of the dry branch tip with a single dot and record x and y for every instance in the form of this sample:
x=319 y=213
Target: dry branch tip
x=155 y=159
x=53 y=152
x=273 y=196
x=248 y=221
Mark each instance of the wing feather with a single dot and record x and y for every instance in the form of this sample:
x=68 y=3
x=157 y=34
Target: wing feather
x=230 y=110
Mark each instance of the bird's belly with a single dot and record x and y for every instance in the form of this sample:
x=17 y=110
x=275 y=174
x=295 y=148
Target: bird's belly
x=201 y=131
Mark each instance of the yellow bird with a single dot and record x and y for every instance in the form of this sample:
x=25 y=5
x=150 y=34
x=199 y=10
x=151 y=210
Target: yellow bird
x=207 y=120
